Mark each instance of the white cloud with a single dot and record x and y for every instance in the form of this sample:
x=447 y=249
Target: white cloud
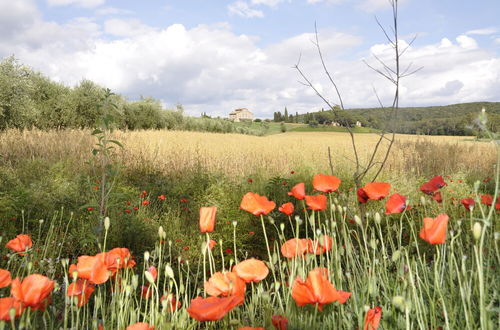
x=126 y=27
x=483 y=32
x=105 y=11
x=80 y=3
x=243 y=9
x=466 y=42
x=375 y=5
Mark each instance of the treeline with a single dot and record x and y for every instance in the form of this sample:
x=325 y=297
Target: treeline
x=456 y=119
x=29 y=100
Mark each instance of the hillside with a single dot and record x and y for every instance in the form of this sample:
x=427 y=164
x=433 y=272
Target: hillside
x=455 y=119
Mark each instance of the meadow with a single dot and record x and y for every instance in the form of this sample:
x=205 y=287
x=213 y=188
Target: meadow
x=181 y=211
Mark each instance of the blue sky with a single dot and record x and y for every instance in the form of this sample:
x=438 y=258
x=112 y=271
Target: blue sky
x=213 y=56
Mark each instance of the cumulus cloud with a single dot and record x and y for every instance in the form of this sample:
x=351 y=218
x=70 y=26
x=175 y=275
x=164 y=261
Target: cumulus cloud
x=483 y=32
x=209 y=68
x=105 y=11
x=80 y=3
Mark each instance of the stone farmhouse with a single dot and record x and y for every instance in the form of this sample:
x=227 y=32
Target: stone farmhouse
x=241 y=115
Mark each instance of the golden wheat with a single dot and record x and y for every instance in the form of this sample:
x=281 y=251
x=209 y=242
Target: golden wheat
x=242 y=155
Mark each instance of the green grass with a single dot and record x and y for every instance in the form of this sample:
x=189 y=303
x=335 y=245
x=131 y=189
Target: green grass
x=321 y=128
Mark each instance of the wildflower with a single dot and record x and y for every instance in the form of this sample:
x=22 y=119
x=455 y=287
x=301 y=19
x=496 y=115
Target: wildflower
x=145 y=202
x=320 y=246
x=183 y=200
x=283 y=182
x=468 y=203
x=316 y=290
x=212 y=308
x=477 y=230
x=146 y=292
x=372 y=319
x=280 y=322
x=362 y=196
x=377 y=190
x=136 y=208
x=487 y=199
x=437 y=197
x=228 y=251
x=316 y=202
x=298 y=191
x=162 y=197
x=434 y=230
x=251 y=233
x=295 y=247
x=185 y=248
x=20 y=244
x=225 y=284
x=128 y=211
x=119 y=258
x=326 y=183
x=211 y=244
x=432 y=185
x=251 y=270
x=287 y=208
x=81 y=289
x=92 y=268
x=256 y=204
x=251 y=328
x=292 y=172
x=249 y=180
x=396 y=203
x=90 y=209
x=5 y=278
x=140 y=326
x=154 y=272
x=8 y=303
x=33 y=291
x=172 y=303
x=207 y=219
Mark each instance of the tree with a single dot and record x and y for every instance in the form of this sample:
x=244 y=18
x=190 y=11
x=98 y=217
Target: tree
x=285 y=117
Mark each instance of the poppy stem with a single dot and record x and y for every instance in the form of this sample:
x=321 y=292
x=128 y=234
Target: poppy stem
x=267 y=246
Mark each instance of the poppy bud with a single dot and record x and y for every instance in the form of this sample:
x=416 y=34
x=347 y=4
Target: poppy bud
x=339 y=208
x=169 y=272
x=422 y=200
x=373 y=243
x=235 y=223
x=335 y=200
x=128 y=290
x=497 y=236
x=476 y=185
x=377 y=218
x=344 y=209
x=40 y=222
x=358 y=220
x=106 y=223
x=476 y=231
x=135 y=281
x=282 y=226
x=149 y=277
x=146 y=256
x=161 y=232
x=399 y=302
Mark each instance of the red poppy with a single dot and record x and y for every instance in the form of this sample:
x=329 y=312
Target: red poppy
x=396 y=203
x=173 y=304
x=280 y=322
x=362 y=196
x=183 y=200
x=316 y=290
x=211 y=244
x=136 y=208
x=207 y=219
x=487 y=199
x=119 y=258
x=185 y=248
x=225 y=284
x=316 y=202
x=432 y=185
x=283 y=183
x=228 y=251
x=287 y=208
x=146 y=202
x=212 y=308
x=326 y=183
x=140 y=326
x=256 y=204
x=251 y=270
x=90 y=209
x=320 y=246
x=81 y=289
x=20 y=244
x=162 y=197
x=33 y=291
x=128 y=211
x=292 y=172
x=251 y=328
x=153 y=271
x=437 y=197
x=298 y=191
x=372 y=319
x=434 y=230
x=377 y=190
x=146 y=292
x=295 y=247
x=8 y=303
x=5 y=278
x=93 y=268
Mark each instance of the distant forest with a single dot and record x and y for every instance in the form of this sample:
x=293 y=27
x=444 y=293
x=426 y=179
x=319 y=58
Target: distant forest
x=456 y=119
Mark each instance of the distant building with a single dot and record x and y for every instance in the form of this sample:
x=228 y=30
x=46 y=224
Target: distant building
x=358 y=124
x=241 y=115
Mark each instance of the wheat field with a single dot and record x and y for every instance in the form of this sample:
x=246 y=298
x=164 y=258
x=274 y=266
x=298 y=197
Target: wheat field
x=239 y=155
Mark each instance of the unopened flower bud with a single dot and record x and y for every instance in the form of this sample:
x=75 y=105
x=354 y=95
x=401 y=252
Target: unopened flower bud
x=169 y=272
x=377 y=218
x=106 y=223
x=422 y=200
x=149 y=277
x=357 y=220
x=476 y=231
x=146 y=256
x=282 y=226
x=399 y=302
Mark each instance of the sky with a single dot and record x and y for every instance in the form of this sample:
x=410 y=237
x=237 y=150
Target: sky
x=215 y=56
